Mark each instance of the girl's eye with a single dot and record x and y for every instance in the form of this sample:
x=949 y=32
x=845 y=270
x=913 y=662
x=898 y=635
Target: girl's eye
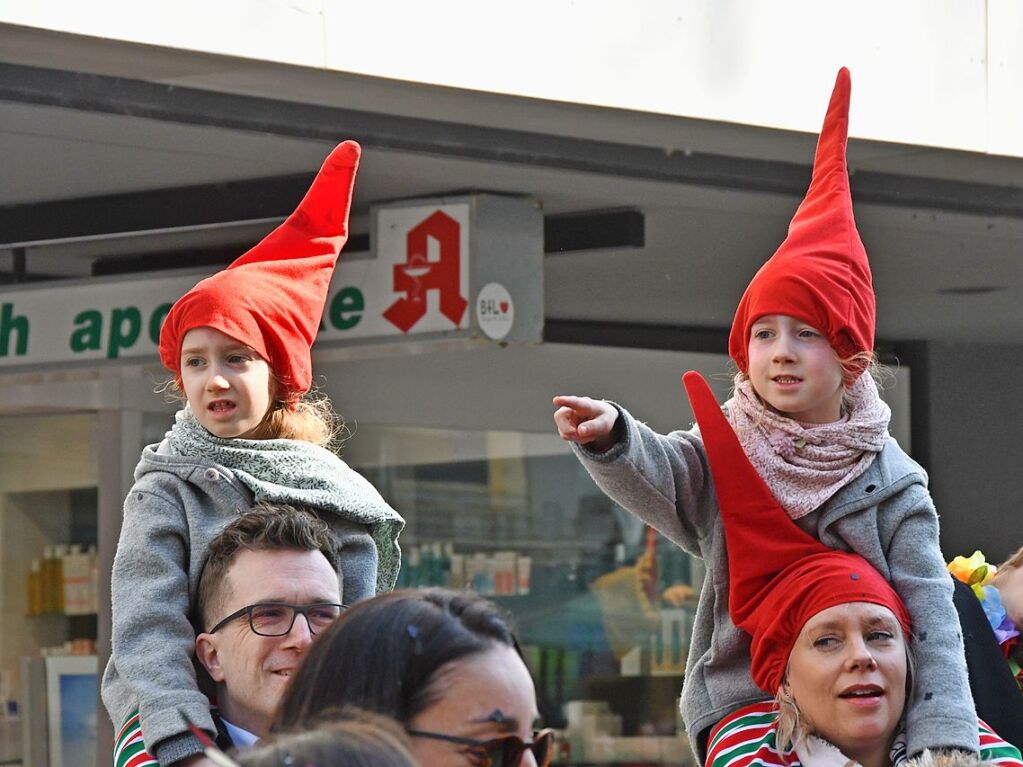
x=880 y=636
x=193 y=362
x=238 y=359
x=809 y=333
x=762 y=334
x=825 y=643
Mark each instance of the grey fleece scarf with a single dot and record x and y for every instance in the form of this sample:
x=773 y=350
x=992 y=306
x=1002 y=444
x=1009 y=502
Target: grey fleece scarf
x=297 y=472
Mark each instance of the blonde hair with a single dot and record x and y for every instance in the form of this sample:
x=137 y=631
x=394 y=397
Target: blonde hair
x=792 y=728
x=1015 y=560
x=309 y=419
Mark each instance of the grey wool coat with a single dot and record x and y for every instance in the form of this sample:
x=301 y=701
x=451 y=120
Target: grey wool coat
x=886 y=515
x=177 y=505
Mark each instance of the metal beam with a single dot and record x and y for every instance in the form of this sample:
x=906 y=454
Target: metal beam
x=192 y=106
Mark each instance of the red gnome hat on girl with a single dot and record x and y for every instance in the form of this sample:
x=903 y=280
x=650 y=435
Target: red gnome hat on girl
x=820 y=273
x=779 y=576
x=271 y=298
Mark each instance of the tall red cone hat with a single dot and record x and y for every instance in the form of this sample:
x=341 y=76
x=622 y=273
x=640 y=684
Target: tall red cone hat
x=271 y=298
x=779 y=576
x=820 y=273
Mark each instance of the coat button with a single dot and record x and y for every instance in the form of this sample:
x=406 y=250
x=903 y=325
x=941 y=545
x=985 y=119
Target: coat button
x=870 y=488
x=212 y=475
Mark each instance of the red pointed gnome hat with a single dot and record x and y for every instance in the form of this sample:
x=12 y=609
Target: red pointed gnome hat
x=820 y=273
x=779 y=576
x=271 y=298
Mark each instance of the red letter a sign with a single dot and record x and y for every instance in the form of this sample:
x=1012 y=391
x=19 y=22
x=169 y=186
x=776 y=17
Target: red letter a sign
x=417 y=276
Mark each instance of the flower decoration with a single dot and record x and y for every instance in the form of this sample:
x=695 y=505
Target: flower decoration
x=976 y=573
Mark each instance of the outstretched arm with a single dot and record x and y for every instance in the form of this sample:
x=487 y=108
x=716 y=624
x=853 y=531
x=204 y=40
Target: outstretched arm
x=586 y=421
x=662 y=479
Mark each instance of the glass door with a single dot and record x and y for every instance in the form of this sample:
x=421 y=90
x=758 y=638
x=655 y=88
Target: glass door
x=48 y=558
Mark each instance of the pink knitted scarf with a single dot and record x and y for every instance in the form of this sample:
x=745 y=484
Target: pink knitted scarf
x=806 y=464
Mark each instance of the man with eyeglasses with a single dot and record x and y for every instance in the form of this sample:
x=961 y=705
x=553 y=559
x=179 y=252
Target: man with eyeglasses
x=269 y=587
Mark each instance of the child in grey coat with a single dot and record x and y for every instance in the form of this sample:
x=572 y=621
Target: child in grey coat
x=238 y=344
x=809 y=417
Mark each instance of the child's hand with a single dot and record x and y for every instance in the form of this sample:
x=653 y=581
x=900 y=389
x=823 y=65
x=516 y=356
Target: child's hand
x=586 y=421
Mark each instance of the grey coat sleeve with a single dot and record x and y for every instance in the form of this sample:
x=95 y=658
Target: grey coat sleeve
x=357 y=557
x=662 y=479
x=152 y=639
x=941 y=711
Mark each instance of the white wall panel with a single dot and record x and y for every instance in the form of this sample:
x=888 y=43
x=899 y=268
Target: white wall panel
x=944 y=73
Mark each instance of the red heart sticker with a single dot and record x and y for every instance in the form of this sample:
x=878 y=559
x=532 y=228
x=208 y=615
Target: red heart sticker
x=504 y=307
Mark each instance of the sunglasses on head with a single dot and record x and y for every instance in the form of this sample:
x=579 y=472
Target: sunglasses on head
x=506 y=751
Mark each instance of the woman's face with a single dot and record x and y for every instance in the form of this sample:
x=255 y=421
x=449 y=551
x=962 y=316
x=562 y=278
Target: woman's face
x=482 y=697
x=847 y=675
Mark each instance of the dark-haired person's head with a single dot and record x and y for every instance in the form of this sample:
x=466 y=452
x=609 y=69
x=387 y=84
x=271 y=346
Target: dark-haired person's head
x=269 y=587
x=444 y=664
x=348 y=738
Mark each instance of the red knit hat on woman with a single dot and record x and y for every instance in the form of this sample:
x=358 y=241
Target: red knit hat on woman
x=271 y=298
x=779 y=576
x=820 y=273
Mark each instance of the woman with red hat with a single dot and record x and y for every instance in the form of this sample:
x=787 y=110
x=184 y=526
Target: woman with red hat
x=830 y=638
x=809 y=417
x=238 y=344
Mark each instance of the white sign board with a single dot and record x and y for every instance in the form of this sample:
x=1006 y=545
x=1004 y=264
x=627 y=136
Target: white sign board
x=430 y=262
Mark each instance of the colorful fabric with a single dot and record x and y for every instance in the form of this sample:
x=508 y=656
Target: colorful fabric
x=271 y=298
x=780 y=576
x=804 y=465
x=820 y=273
x=978 y=574
x=748 y=738
x=299 y=473
x=129 y=749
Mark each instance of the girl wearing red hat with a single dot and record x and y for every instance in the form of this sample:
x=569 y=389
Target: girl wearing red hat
x=238 y=344
x=830 y=637
x=812 y=423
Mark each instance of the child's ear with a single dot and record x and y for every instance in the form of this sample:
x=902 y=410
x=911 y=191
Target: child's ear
x=209 y=656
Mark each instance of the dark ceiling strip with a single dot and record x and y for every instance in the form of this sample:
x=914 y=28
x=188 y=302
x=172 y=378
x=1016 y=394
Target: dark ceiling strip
x=590 y=231
x=135 y=98
x=636 y=336
x=562 y=234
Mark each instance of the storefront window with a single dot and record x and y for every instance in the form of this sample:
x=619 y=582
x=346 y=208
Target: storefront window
x=515 y=517
x=48 y=537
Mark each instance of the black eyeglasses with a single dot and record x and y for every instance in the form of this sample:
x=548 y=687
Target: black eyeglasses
x=505 y=751
x=275 y=619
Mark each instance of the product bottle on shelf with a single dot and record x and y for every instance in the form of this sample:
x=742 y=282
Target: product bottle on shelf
x=414 y=569
x=47 y=580
x=77 y=570
x=456 y=574
x=426 y=565
x=523 y=567
x=57 y=577
x=35 y=588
